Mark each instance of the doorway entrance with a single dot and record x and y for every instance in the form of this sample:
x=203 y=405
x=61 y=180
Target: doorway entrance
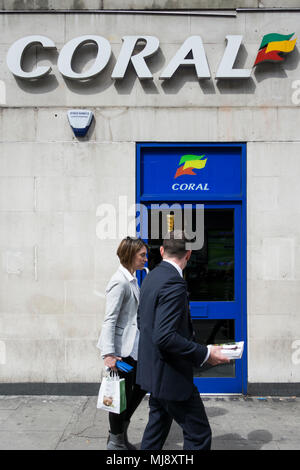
x=216 y=273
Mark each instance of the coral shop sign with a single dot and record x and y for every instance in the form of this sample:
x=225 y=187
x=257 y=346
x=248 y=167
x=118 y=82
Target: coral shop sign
x=191 y=53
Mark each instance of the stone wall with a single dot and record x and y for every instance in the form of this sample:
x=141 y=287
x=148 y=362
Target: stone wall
x=54 y=268
x=143 y=4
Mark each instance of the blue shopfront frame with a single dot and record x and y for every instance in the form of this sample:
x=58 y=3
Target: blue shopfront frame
x=226 y=180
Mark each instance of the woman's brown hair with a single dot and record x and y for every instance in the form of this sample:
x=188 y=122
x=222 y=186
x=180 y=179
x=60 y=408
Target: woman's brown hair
x=127 y=250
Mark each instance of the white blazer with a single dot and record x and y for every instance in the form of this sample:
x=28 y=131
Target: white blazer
x=119 y=328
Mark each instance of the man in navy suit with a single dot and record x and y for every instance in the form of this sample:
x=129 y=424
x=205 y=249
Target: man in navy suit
x=167 y=352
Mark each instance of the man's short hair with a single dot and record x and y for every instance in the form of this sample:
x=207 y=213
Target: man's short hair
x=175 y=244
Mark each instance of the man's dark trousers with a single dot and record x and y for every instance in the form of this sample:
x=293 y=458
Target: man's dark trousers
x=189 y=414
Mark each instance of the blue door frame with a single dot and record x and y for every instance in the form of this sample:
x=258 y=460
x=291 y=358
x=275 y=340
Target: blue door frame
x=224 y=310
x=237 y=309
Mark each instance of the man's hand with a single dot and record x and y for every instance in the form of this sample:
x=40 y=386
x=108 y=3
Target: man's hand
x=110 y=361
x=216 y=357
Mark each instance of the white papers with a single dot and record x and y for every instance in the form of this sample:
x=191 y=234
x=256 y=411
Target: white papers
x=233 y=350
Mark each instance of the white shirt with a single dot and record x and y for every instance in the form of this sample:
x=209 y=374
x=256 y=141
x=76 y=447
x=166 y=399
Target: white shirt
x=180 y=272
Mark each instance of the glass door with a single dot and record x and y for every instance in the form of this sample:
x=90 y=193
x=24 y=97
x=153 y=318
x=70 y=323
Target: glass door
x=214 y=278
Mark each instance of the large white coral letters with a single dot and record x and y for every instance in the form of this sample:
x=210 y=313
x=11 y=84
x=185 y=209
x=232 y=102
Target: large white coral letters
x=192 y=47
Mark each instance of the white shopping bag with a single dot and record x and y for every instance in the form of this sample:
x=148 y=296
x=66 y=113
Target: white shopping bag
x=112 y=395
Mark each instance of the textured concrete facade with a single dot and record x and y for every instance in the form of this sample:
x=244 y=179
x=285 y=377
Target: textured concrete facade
x=54 y=268
x=143 y=4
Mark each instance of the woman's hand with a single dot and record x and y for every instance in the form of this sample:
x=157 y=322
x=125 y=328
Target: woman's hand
x=110 y=361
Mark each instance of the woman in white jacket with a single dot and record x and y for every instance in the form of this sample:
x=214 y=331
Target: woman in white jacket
x=119 y=335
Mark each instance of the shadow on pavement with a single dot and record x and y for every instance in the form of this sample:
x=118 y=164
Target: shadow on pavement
x=254 y=441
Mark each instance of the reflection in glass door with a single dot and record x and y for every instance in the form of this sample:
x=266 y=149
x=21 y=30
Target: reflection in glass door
x=210 y=271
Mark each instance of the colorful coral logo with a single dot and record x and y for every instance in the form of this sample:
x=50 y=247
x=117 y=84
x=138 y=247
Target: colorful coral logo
x=188 y=163
x=273 y=44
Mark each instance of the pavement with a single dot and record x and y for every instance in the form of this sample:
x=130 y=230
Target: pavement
x=74 y=423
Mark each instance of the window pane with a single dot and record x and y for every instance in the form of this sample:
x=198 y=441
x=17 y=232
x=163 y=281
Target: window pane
x=210 y=271
x=214 y=332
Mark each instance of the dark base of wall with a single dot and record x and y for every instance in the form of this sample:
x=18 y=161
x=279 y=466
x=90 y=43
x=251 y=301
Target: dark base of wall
x=71 y=389
x=274 y=389
x=92 y=389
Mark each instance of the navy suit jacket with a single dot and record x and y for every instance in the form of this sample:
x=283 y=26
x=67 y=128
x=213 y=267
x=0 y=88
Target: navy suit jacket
x=167 y=352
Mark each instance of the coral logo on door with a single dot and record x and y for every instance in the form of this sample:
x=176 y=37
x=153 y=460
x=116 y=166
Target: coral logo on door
x=273 y=44
x=189 y=163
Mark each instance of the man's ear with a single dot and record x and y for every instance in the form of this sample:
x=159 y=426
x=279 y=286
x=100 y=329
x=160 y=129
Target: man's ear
x=188 y=255
x=161 y=249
